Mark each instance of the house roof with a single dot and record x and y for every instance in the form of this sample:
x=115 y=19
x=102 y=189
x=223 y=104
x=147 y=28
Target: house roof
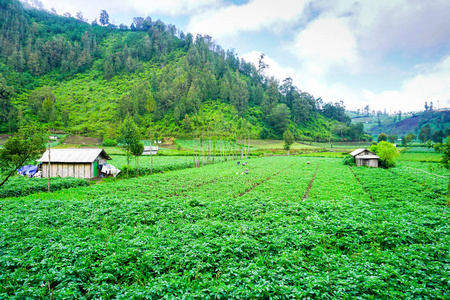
x=73 y=155
x=369 y=156
x=357 y=151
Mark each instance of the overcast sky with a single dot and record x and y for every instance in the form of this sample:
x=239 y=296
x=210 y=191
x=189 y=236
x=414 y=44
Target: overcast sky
x=388 y=54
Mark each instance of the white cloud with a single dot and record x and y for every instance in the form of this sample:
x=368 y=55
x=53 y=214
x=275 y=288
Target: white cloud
x=432 y=84
x=324 y=44
x=138 y=8
x=252 y=16
x=386 y=25
x=274 y=68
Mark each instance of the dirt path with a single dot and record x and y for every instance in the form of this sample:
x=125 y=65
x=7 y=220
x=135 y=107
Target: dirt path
x=261 y=182
x=310 y=183
x=370 y=196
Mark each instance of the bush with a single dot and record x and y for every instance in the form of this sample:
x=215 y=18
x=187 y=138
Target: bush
x=109 y=143
x=387 y=153
x=349 y=160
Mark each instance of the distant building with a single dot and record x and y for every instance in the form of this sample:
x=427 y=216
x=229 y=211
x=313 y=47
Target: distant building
x=364 y=157
x=152 y=149
x=79 y=163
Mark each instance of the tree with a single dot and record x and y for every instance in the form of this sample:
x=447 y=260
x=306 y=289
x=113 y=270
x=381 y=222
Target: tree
x=24 y=147
x=387 y=153
x=128 y=135
x=136 y=149
x=279 y=118
x=438 y=136
x=392 y=137
x=382 y=137
x=425 y=133
x=262 y=65
x=79 y=16
x=104 y=18
x=288 y=140
x=6 y=106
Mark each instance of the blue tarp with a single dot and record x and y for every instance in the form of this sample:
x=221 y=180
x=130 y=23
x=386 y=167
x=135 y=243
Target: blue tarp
x=28 y=170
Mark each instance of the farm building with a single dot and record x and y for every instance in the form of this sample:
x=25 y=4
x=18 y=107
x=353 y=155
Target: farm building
x=79 y=163
x=152 y=149
x=364 y=157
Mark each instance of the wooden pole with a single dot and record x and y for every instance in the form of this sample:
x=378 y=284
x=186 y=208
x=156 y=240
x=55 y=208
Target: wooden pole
x=48 y=172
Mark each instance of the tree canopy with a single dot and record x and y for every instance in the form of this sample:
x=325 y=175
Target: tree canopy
x=23 y=148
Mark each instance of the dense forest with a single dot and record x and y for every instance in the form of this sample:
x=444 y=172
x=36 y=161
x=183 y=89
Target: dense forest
x=86 y=78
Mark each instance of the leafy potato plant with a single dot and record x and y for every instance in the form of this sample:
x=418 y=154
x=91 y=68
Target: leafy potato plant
x=214 y=232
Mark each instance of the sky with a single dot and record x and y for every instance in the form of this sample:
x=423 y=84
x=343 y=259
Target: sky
x=388 y=54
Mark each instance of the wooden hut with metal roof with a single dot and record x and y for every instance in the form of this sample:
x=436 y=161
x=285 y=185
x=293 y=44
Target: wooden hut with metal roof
x=79 y=163
x=364 y=157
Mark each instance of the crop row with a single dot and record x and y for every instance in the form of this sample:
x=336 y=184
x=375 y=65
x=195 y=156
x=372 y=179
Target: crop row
x=18 y=186
x=161 y=164
x=430 y=175
x=335 y=183
x=213 y=234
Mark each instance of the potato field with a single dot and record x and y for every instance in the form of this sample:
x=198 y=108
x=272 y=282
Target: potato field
x=294 y=227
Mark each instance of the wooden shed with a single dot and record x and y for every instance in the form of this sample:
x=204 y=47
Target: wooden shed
x=364 y=157
x=79 y=163
x=152 y=149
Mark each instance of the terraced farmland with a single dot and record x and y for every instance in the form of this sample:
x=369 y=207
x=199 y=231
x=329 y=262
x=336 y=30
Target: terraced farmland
x=288 y=229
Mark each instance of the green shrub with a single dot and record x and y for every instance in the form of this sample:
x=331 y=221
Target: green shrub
x=349 y=160
x=109 y=143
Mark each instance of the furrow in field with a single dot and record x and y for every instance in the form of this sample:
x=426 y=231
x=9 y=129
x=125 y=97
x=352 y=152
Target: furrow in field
x=305 y=196
x=261 y=182
x=382 y=184
x=370 y=196
x=237 y=182
x=290 y=185
x=333 y=182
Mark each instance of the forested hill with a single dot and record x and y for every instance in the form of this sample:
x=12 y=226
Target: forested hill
x=85 y=78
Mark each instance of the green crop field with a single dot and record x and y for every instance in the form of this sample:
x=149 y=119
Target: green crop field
x=294 y=227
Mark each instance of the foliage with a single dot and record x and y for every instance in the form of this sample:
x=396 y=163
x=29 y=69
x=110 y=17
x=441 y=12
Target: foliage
x=130 y=136
x=109 y=143
x=95 y=72
x=19 y=186
x=382 y=137
x=444 y=148
x=288 y=139
x=24 y=147
x=349 y=160
x=6 y=107
x=213 y=232
x=392 y=138
x=387 y=153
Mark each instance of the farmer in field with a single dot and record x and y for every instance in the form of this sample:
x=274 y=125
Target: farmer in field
x=246 y=171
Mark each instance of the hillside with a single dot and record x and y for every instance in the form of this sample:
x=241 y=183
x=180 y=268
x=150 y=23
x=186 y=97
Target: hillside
x=434 y=122
x=85 y=78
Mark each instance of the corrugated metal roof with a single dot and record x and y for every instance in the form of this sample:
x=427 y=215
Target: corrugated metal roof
x=357 y=151
x=73 y=155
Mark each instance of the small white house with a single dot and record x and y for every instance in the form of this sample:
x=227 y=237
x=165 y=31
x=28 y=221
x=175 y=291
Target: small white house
x=364 y=157
x=79 y=163
x=152 y=149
